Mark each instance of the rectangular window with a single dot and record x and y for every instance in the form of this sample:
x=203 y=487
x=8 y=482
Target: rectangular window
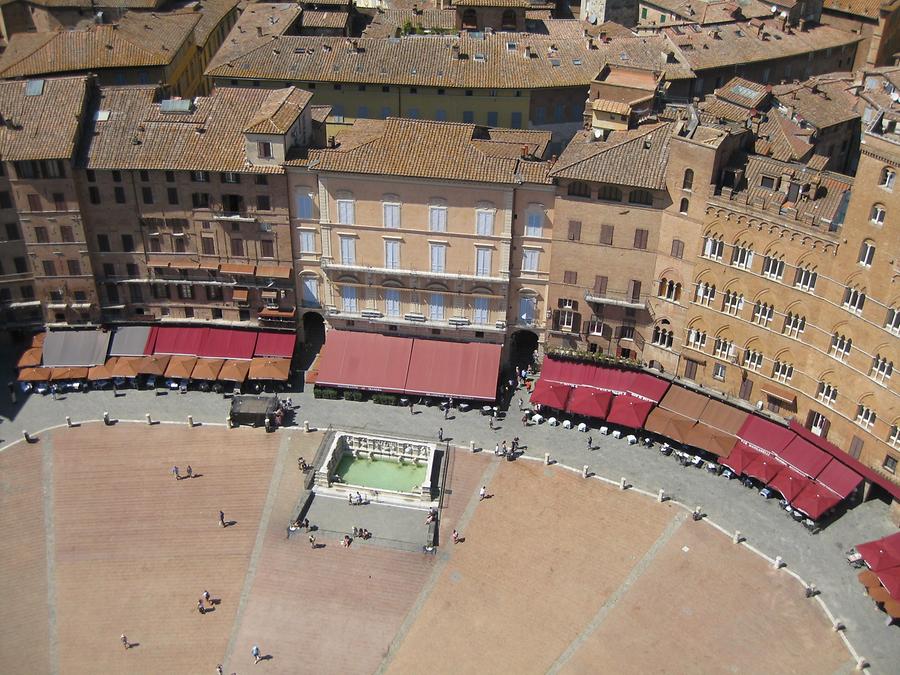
x=600 y=284
x=103 y=243
x=264 y=150
x=606 y=234
x=634 y=290
x=391 y=215
x=310 y=291
x=263 y=203
x=482 y=261
x=570 y=277
x=266 y=248
x=530 y=260
x=348 y=250
x=170 y=176
x=34 y=203
x=66 y=234
x=438 y=257
x=574 y=230
x=304 y=205
x=147 y=195
x=185 y=292
x=484 y=222
x=200 y=176
x=172 y=194
x=348 y=299
x=307 y=241
x=436 y=307
x=136 y=293
x=640 y=238
x=94 y=194
x=437 y=218
x=261 y=179
x=131 y=270
x=5 y=200
x=391 y=302
x=49 y=268
x=119 y=194
x=527 y=306
x=237 y=247
x=40 y=235
x=144 y=176
x=392 y=254
x=200 y=200
x=12 y=232
x=492 y=119
x=127 y=243
x=346 y=211
x=231 y=177
x=515 y=120
x=59 y=201
x=208 y=245
x=482 y=313
x=719 y=371
x=535 y=224
x=20 y=264
x=468 y=116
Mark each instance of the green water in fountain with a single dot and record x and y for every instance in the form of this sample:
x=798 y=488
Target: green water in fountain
x=381 y=474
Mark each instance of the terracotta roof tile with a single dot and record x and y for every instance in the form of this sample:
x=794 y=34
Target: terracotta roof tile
x=43 y=126
x=636 y=157
x=743 y=92
x=866 y=8
x=822 y=101
x=313 y=18
x=439 y=150
x=278 y=112
x=385 y=23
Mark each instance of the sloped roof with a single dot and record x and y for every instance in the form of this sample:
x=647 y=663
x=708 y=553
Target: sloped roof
x=136 y=134
x=867 y=8
x=743 y=92
x=278 y=112
x=440 y=150
x=385 y=23
x=43 y=126
x=822 y=101
x=138 y=39
x=636 y=157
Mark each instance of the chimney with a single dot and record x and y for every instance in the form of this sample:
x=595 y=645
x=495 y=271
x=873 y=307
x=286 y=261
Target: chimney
x=524 y=152
x=590 y=43
x=527 y=51
x=802 y=25
x=454 y=52
x=259 y=31
x=331 y=142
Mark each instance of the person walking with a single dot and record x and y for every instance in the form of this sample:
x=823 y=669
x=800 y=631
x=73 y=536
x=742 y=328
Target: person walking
x=411 y=411
x=219 y=669
x=190 y=471
x=125 y=642
x=455 y=537
x=312 y=541
x=590 y=443
x=12 y=391
x=447 y=411
x=441 y=434
x=497 y=449
x=206 y=596
x=200 y=606
x=222 y=518
x=482 y=493
x=175 y=473
x=525 y=420
x=491 y=423
x=255 y=654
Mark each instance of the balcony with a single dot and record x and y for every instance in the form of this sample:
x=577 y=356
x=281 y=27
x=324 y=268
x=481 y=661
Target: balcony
x=455 y=322
x=234 y=216
x=330 y=267
x=617 y=298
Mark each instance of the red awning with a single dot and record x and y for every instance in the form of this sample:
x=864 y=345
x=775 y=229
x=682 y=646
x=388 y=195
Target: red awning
x=628 y=411
x=815 y=500
x=765 y=435
x=589 y=402
x=648 y=387
x=789 y=483
x=882 y=553
x=467 y=370
x=763 y=468
x=275 y=344
x=226 y=343
x=568 y=372
x=804 y=456
x=551 y=394
x=890 y=579
x=184 y=341
x=364 y=361
x=741 y=455
x=839 y=478
x=151 y=340
x=613 y=379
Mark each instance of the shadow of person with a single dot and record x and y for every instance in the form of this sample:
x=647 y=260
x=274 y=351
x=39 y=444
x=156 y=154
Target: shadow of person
x=229 y=523
x=267 y=657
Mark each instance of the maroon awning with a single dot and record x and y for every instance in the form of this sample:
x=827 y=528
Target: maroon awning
x=890 y=579
x=839 y=478
x=741 y=455
x=275 y=344
x=568 y=372
x=804 y=456
x=628 y=411
x=765 y=435
x=364 y=361
x=180 y=341
x=648 y=387
x=815 y=500
x=589 y=402
x=226 y=343
x=614 y=379
x=881 y=553
x=467 y=370
x=763 y=468
x=551 y=394
x=151 y=340
x=789 y=483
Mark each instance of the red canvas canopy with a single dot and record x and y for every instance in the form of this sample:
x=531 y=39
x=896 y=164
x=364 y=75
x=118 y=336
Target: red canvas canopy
x=890 y=579
x=628 y=411
x=275 y=344
x=741 y=455
x=364 y=361
x=589 y=402
x=765 y=435
x=764 y=468
x=839 y=478
x=881 y=553
x=225 y=343
x=789 y=483
x=182 y=341
x=804 y=456
x=467 y=370
x=815 y=500
x=567 y=372
x=614 y=379
x=551 y=394
x=648 y=387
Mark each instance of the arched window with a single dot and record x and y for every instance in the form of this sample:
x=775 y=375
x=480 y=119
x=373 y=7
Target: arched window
x=877 y=214
x=840 y=346
x=887 y=178
x=683 y=208
x=470 y=19
x=508 y=21
x=609 y=193
x=867 y=253
x=688 y=182
x=579 y=189
x=642 y=197
x=670 y=290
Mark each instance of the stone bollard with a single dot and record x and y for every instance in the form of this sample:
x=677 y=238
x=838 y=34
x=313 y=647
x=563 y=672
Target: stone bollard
x=697 y=513
x=26 y=436
x=472 y=446
x=149 y=420
x=547 y=458
x=622 y=483
x=68 y=421
x=106 y=418
x=584 y=471
x=191 y=421
x=306 y=426
x=861 y=664
x=837 y=625
x=736 y=537
x=778 y=563
x=661 y=496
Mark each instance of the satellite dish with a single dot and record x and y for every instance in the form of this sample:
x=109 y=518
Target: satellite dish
x=895 y=96
x=774 y=9
x=598 y=133
x=783 y=15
